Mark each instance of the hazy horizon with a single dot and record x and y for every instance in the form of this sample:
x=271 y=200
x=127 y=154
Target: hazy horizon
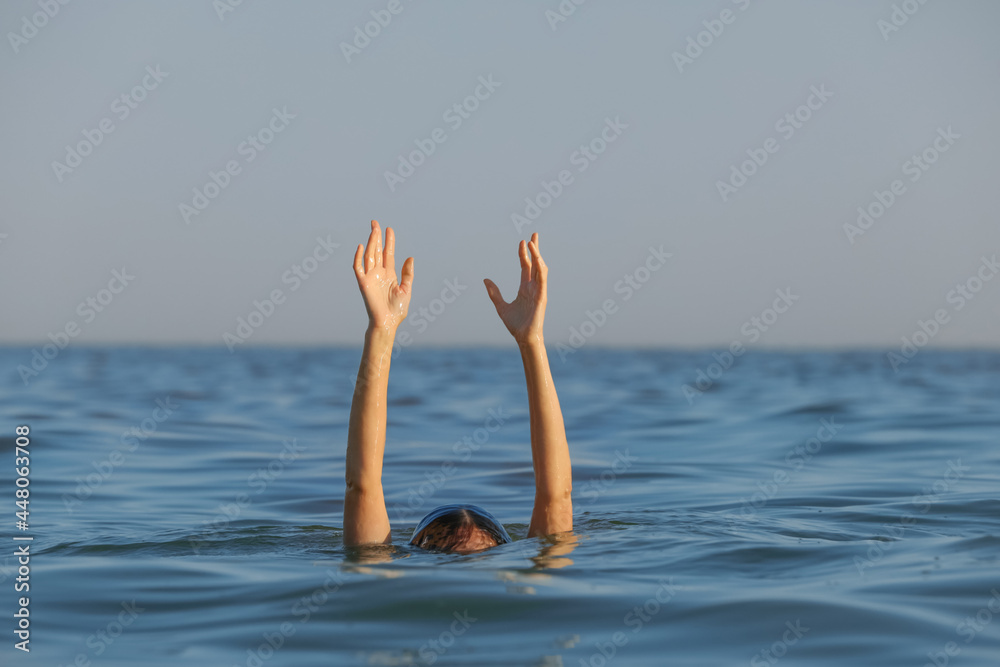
x=687 y=196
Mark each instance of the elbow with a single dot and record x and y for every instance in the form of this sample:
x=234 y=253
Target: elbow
x=567 y=496
x=557 y=496
x=358 y=486
x=564 y=488
x=565 y=493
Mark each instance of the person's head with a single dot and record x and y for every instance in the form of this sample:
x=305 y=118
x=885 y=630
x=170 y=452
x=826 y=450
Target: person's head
x=459 y=529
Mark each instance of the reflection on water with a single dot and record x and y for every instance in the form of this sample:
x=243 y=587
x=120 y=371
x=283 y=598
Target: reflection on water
x=554 y=551
x=701 y=530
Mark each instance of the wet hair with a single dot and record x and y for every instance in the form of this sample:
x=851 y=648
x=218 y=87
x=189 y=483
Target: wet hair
x=456 y=528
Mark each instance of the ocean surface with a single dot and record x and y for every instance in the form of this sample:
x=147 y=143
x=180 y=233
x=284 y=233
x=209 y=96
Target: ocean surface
x=803 y=509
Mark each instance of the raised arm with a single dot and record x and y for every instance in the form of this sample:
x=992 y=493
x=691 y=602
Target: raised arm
x=387 y=302
x=524 y=317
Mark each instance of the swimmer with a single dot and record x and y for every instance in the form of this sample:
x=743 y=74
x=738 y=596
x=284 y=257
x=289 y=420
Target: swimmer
x=451 y=528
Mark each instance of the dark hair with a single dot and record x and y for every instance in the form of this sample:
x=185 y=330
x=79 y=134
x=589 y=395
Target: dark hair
x=448 y=526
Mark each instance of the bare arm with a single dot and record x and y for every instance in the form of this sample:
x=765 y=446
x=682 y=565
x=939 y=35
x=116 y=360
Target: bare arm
x=387 y=302
x=553 y=511
x=524 y=318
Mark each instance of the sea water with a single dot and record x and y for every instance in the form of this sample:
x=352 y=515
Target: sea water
x=793 y=508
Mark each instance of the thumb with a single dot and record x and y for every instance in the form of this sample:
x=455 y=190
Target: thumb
x=406 y=283
x=494 y=293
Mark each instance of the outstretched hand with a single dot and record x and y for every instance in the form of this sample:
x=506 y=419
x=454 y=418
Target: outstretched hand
x=386 y=299
x=525 y=315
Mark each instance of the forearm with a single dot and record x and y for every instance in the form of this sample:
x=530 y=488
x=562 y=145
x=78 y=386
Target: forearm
x=549 y=449
x=365 y=518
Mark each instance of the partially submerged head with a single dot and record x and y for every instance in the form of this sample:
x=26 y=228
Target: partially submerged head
x=459 y=529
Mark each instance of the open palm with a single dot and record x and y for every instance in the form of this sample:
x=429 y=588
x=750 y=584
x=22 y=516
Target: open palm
x=386 y=299
x=525 y=315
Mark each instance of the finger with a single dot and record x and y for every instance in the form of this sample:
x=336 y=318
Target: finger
x=389 y=255
x=359 y=258
x=373 y=242
x=494 y=293
x=522 y=253
x=407 y=283
x=538 y=268
x=536 y=256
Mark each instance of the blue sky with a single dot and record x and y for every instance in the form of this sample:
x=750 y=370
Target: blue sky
x=211 y=155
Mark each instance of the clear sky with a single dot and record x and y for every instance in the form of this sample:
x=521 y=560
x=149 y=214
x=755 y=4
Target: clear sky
x=738 y=137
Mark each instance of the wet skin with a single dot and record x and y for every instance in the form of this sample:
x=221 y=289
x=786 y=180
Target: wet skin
x=387 y=301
